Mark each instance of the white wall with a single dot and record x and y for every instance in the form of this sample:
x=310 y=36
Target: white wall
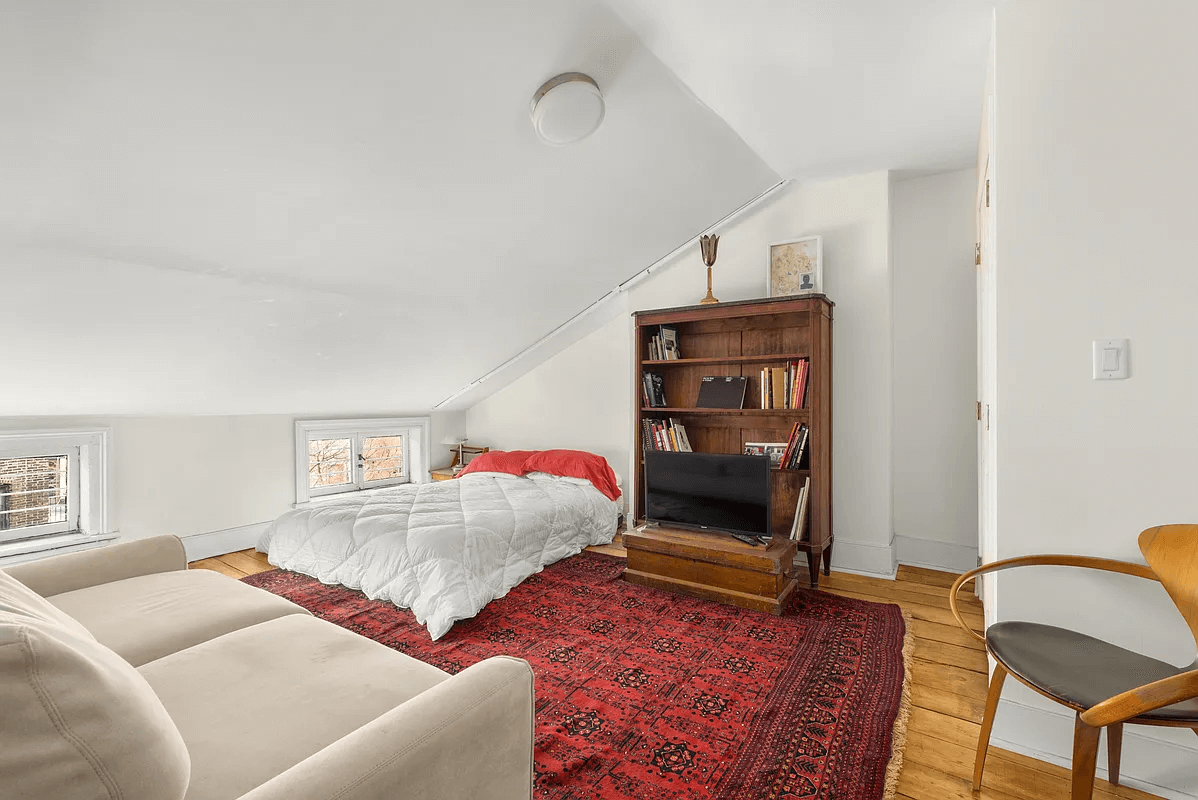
x=582 y=397
x=935 y=364
x=1095 y=239
x=196 y=475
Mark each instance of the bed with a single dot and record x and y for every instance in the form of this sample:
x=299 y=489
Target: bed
x=446 y=549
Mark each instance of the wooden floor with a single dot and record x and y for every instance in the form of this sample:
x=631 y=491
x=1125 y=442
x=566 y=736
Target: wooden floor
x=948 y=690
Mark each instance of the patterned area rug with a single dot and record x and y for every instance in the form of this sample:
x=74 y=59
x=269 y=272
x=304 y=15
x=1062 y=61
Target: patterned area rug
x=650 y=695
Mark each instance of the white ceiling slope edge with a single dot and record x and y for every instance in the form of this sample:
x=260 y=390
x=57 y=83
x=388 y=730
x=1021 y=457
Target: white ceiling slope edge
x=825 y=89
x=301 y=207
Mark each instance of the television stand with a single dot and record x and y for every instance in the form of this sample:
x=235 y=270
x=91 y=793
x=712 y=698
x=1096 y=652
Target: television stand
x=713 y=566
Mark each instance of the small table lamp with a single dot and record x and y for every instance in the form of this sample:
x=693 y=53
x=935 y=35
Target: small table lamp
x=454 y=440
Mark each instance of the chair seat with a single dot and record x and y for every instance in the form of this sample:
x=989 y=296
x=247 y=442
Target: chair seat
x=1079 y=670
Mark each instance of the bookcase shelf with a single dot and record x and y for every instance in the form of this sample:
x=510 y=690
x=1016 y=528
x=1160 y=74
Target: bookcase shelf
x=737 y=339
x=773 y=412
x=760 y=359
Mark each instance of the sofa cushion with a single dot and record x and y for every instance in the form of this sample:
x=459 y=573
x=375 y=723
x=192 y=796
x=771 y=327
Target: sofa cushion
x=18 y=599
x=77 y=722
x=151 y=616
x=257 y=701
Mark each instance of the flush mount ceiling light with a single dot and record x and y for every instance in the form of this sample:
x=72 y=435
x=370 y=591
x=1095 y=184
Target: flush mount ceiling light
x=567 y=109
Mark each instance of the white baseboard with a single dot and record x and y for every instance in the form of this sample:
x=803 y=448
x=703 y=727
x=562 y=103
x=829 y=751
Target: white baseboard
x=1149 y=763
x=230 y=540
x=866 y=559
x=944 y=556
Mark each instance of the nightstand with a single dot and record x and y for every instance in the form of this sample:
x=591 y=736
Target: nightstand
x=442 y=473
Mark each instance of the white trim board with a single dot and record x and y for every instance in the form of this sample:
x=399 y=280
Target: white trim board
x=874 y=560
x=217 y=543
x=943 y=556
x=1048 y=736
x=55 y=545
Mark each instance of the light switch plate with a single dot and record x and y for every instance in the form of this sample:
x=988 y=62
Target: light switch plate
x=1110 y=359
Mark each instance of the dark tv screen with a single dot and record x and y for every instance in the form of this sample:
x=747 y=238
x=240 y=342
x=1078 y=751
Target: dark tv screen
x=709 y=491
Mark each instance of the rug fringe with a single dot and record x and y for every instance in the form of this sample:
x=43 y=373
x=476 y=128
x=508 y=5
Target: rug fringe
x=898 y=739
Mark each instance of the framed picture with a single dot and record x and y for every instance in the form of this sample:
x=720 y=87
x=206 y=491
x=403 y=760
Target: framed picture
x=795 y=267
x=772 y=449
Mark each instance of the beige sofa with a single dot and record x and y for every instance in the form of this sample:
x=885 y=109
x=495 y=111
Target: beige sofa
x=126 y=676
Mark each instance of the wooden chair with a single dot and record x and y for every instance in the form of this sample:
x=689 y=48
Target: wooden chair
x=1105 y=685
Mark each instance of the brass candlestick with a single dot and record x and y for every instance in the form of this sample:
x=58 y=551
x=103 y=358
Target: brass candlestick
x=708 y=245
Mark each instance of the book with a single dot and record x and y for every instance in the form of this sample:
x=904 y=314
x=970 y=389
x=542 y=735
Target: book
x=801 y=387
x=800 y=522
x=778 y=387
x=647 y=433
x=722 y=392
x=680 y=439
x=796 y=457
x=654 y=388
x=669 y=343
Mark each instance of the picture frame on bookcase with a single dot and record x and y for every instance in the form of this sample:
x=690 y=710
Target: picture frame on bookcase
x=795 y=267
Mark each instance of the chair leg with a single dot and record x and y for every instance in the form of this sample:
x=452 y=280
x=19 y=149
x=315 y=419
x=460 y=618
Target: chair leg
x=1085 y=759
x=1114 y=747
x=979 y=764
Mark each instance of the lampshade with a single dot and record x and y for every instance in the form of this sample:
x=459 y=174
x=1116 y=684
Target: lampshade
x=567 y=108
x=453 y=439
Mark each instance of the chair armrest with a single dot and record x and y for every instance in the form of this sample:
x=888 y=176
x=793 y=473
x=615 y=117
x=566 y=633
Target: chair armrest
x=1143 y=699
x=1087 y=562
x=116 y=562
x=468 y=737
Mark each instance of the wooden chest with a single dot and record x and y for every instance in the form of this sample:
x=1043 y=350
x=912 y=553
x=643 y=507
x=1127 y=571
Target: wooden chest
x=713 y=566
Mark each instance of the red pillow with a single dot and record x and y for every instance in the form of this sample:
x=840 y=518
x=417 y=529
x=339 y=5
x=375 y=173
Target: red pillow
x=575 y=464
x=509 y=461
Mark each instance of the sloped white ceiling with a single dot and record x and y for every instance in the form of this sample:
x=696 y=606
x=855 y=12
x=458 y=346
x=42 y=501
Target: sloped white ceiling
x=290 y=206
x=830 y=88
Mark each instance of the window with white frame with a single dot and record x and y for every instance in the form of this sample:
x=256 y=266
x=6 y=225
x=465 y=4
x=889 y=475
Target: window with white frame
x=339 y=456
x=51 y=482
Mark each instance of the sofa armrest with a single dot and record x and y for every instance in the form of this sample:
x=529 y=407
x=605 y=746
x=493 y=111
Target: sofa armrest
x=116 y=562
x=468 y=737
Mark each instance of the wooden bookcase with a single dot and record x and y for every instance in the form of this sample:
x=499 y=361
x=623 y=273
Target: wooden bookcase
x=740 y=338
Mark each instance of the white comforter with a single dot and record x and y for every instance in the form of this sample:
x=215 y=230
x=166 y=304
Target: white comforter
x=443 y=549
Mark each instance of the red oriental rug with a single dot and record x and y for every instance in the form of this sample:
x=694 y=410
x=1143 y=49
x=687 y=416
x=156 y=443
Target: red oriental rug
x=647 y=695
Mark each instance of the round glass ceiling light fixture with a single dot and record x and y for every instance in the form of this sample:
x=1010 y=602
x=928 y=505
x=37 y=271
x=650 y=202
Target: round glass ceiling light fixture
x=567 y=109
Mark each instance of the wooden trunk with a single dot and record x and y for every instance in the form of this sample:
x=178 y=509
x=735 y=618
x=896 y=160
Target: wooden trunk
x=713 y=566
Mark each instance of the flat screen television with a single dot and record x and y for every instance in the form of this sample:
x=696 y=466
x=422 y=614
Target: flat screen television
x=708 y=491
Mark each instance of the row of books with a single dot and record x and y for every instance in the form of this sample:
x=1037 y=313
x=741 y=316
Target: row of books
x=653 y=387
x=663 y=346
x=785 y=387
x=668 y=434
x=792 y=456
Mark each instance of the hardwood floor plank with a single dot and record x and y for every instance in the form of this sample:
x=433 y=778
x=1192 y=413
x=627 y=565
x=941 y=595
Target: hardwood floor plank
x=957 y=680
x=245 y=563
x=937 y=595
x=254 y=554
x=949 y=634
x=948 y=703
x=930 y=577
x=922 y=782
x=216 y=565
x=954 y=655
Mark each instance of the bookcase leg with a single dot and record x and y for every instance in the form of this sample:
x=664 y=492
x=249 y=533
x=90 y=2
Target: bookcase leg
x=813 y=568
x=827 y=558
